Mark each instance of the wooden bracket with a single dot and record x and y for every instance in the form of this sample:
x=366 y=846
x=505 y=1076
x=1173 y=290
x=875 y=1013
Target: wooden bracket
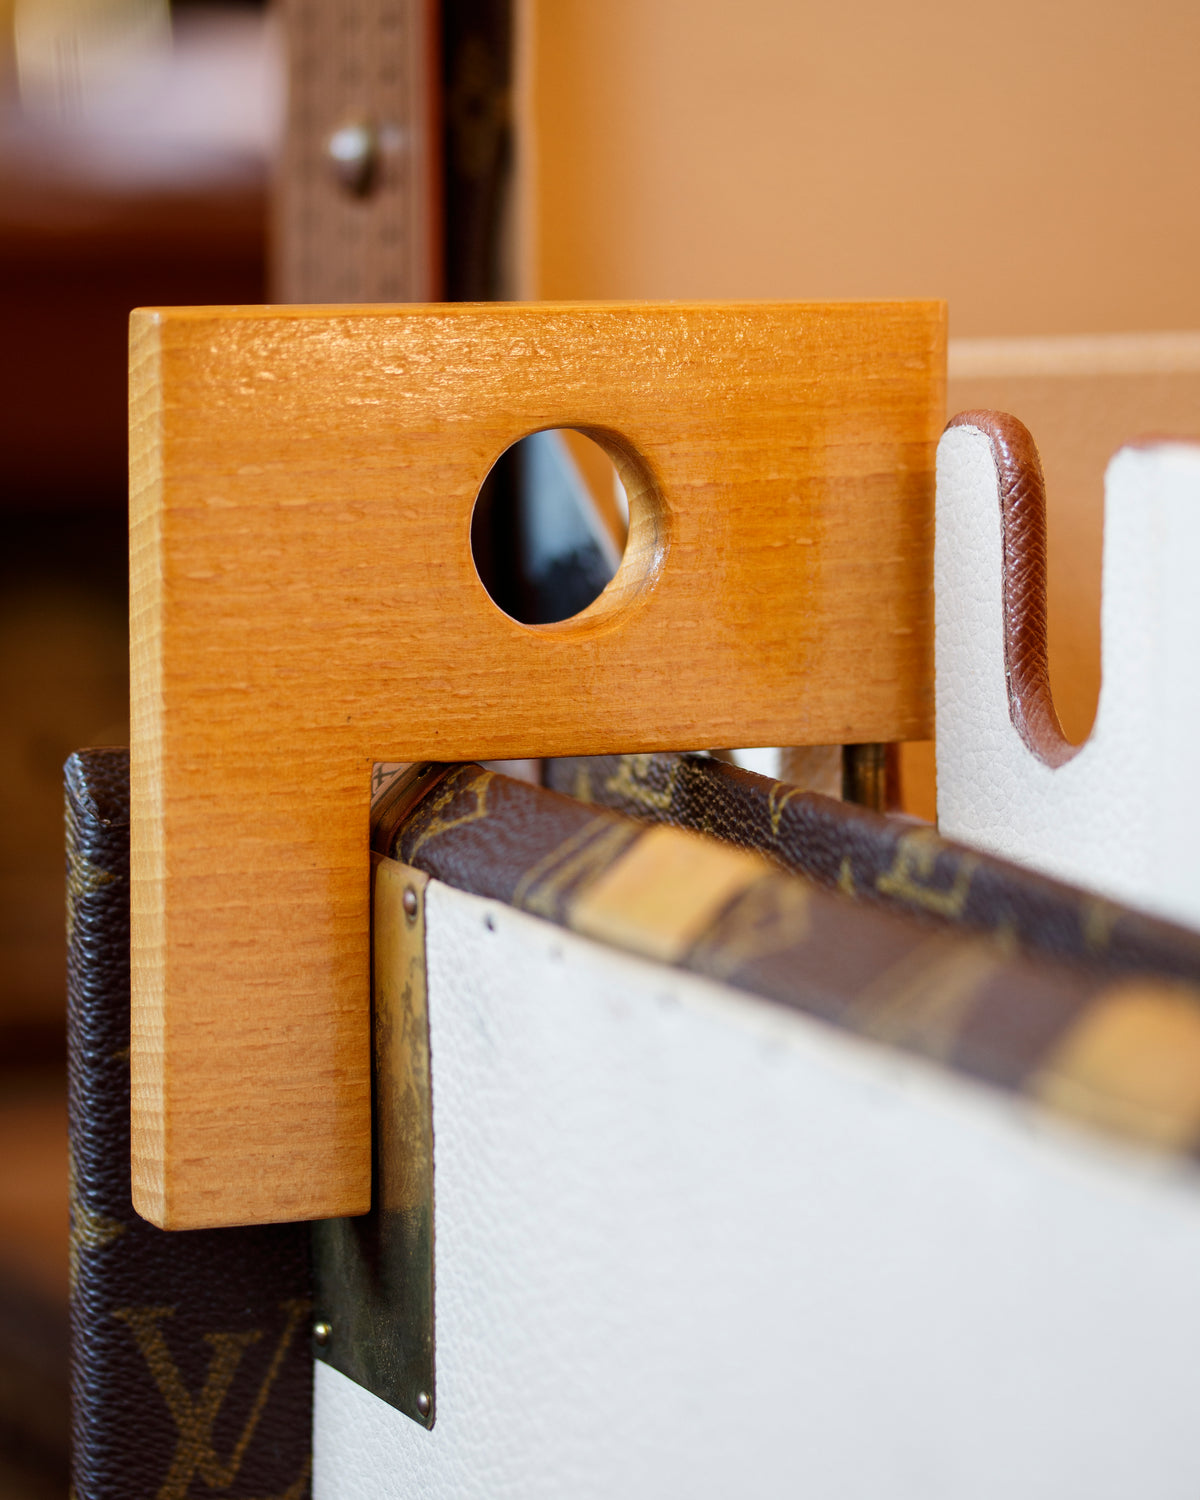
x=304 y=603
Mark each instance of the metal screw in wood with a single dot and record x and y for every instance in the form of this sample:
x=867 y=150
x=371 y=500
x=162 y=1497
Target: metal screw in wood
x=353 y=152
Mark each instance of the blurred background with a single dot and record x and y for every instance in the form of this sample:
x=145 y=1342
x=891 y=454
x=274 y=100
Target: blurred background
x=134 y=151
x=1034 y=165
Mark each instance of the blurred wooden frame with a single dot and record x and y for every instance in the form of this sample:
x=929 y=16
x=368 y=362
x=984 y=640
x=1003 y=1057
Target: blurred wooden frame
x=304 y=604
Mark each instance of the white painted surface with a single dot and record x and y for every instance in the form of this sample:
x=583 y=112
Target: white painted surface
x=1122 y=816
x=763 y=761
x=690 y=1244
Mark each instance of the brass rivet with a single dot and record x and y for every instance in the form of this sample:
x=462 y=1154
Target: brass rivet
x=423 y=1403
x=353 y=152
x=410 y=901
x=322 y=1333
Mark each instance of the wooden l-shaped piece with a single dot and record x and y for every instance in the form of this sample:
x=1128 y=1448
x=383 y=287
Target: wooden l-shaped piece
x=304 y=604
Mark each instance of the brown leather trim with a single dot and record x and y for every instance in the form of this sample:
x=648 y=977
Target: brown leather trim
x=1119 y=1052
x=880 y=861
x=191 y=1368
x=1023 y=530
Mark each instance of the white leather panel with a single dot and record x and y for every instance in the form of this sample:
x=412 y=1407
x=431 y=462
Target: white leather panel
x=691 y=1244
x=1122 y=816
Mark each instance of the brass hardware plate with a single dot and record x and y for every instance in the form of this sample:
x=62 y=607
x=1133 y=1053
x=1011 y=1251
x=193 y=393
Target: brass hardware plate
x=374 y=1274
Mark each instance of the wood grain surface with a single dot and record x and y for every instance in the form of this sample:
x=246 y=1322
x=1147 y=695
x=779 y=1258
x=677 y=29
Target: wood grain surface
x=304 y=604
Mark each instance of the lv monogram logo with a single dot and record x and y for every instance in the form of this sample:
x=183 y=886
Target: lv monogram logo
x=631 y=779
x=916 y=856
x=194 y=1416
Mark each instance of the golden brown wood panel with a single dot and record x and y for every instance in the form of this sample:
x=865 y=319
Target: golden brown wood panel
x=304 y=603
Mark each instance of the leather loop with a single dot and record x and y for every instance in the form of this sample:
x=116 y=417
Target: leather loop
x=1023 y=529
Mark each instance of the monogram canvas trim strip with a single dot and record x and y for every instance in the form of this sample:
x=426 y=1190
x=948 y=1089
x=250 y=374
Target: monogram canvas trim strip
x=190 y=1365
x=1131 y=1064
x=880 y=935
x=663 y=893
x=880 y=861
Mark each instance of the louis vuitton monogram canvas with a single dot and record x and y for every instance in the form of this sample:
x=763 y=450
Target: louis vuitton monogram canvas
x=894 y=863
x=191 y=1364
x=1108 y=1044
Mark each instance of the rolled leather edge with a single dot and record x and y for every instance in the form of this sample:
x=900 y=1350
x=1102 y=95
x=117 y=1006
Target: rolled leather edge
x=1023 y=539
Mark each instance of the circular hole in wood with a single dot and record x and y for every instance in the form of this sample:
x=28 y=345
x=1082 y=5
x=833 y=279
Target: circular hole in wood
x=549 y=527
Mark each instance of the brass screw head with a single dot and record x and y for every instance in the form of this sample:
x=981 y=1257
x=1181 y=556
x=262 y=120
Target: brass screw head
x=410 y=901
x=322 y=1332
x=353 y=152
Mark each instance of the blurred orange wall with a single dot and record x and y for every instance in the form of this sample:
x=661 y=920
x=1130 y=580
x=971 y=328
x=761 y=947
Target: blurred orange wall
x=1034 y=163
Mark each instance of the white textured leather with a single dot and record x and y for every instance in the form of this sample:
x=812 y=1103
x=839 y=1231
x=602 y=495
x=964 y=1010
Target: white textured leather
x=1121 y=816
x=692 y=1244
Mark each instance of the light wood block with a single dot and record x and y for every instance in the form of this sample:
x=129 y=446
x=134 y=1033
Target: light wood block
x=304 y=604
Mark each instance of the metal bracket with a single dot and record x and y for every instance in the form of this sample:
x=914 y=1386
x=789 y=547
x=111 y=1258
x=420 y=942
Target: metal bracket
x=374 y=1274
